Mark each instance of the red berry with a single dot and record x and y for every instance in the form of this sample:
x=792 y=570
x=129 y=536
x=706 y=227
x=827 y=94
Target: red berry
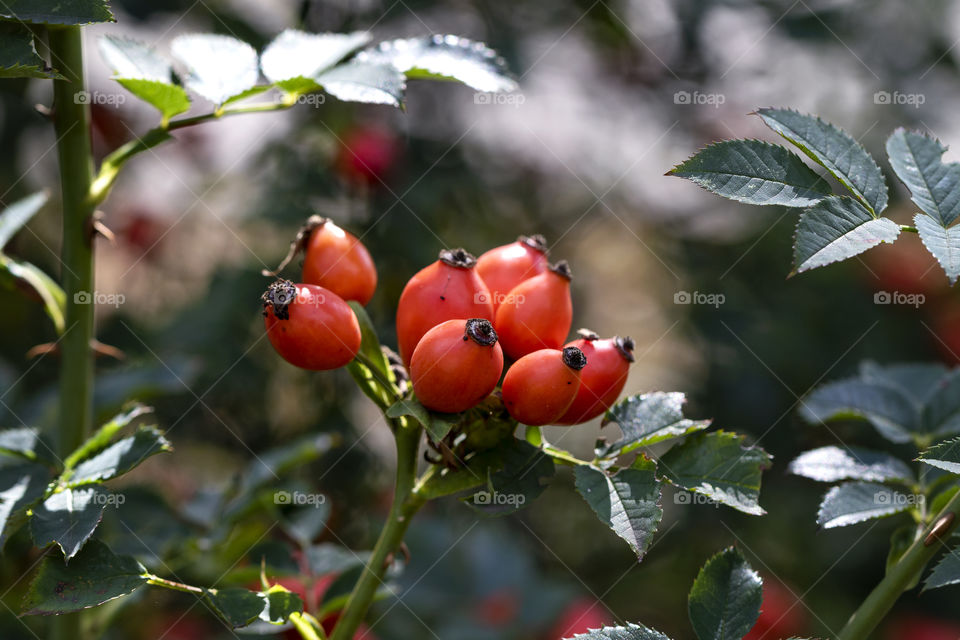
x=311 y=327
x=537 y=313
x=541 y=386
x=602 y=380
x=503 y=268
x=456 y=365
x=337 y=260
x=448 y=289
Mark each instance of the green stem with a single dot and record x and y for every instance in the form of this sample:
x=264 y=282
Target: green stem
x=405 y=505
x=72 y=123
x=157 y=581
x=898 y=578
x=908 y=228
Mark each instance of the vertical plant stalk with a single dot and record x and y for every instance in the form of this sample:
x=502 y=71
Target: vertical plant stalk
x=405 y=504
x=72 y=124
x=899 y=577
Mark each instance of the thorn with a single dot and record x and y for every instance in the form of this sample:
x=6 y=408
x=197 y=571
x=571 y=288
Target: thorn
x=940 y=528
x=44 y=110
x=42 y=350
x=106 y=350
x=95 y=227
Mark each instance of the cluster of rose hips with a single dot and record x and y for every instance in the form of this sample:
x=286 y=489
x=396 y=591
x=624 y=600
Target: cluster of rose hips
x=458 y=319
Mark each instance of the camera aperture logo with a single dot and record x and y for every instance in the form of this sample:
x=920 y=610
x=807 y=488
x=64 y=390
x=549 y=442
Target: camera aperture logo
x=299 y=499
x=496 y=499
x=98 y=98
x=896 y=297
x=689 y=497
x=894 y=499
x=896 y=97
x=100 y=298
x=698 y=297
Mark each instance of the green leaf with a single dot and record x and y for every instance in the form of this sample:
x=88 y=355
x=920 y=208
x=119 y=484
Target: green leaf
x=19 y=57
x=20 y=486
x=945 y=455
x=890 y=411
x=437 y=425
x=477 y=467
x=68 y=518
x=835 y=150
x=943 y=243
x=647 y=419
x=373 y=353
x=144 y=73
x=294 y=57
x=915 y=381
x=754 y=172
x=724 y=602
x=627 y=502
x=444 y=57
x=717 y=465
x=306 y=523
x=53 y=297
x=280 y=605
x=236 y=605
x=940 y=415
x=270 y=466
x=934 y=186
x=21 y=443
x=946 y=572
x=830 y=464
x=327 y=558
x=94 y=576
x=14 y=217
x=356 y=81
x=104 y=435
x=118 y=458
x=218 y=67
x=70 y=12
x=835 y=229
x=855 y=502
x=519 y=482
x=629 y=632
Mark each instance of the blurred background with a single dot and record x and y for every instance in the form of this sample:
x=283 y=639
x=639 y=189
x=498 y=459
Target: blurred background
x=613 y=93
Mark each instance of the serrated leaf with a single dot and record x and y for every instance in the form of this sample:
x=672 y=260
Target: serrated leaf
x=477 y=468
x=218 y=67
x=236 y=605
x=280 y=605
x=68 y=518
x=518 y=483
x=917 y=381
x=53 y=298
x=70 y=12
x=627 y=502
x=144 y=73
x=718 y=466
x=945 y=455
x=437 y=425
x=20 y=487
x=892 y=414
x=855 y=502
x=837 y=228
x=629 y=632
x=724 y=602
x=119 y=458
x=14 y=217
x=835 y=150
x=943 y=244
x=647 y=419
x=940 y=414
x=21 y=442
x=94 y=576
x=830 y=464
x=934 y=186
x=295 y=57
x=754 y=172
x=19 y=57
x=946 y=572
x=356 y=81
x=444 y=57
x=104 y=435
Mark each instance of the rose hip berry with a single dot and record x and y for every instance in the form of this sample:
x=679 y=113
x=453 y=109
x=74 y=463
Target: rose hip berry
x=542 y=385
x=602 y=380
x=456 y=365
x=309 y=326
x=503 y=268
x=337 y=260
x=448 y=289
x=537 y=313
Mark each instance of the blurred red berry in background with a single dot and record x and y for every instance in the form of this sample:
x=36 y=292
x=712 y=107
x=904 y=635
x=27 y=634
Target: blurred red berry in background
x=782 y=613
x=366 y=154
x=580 y=616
